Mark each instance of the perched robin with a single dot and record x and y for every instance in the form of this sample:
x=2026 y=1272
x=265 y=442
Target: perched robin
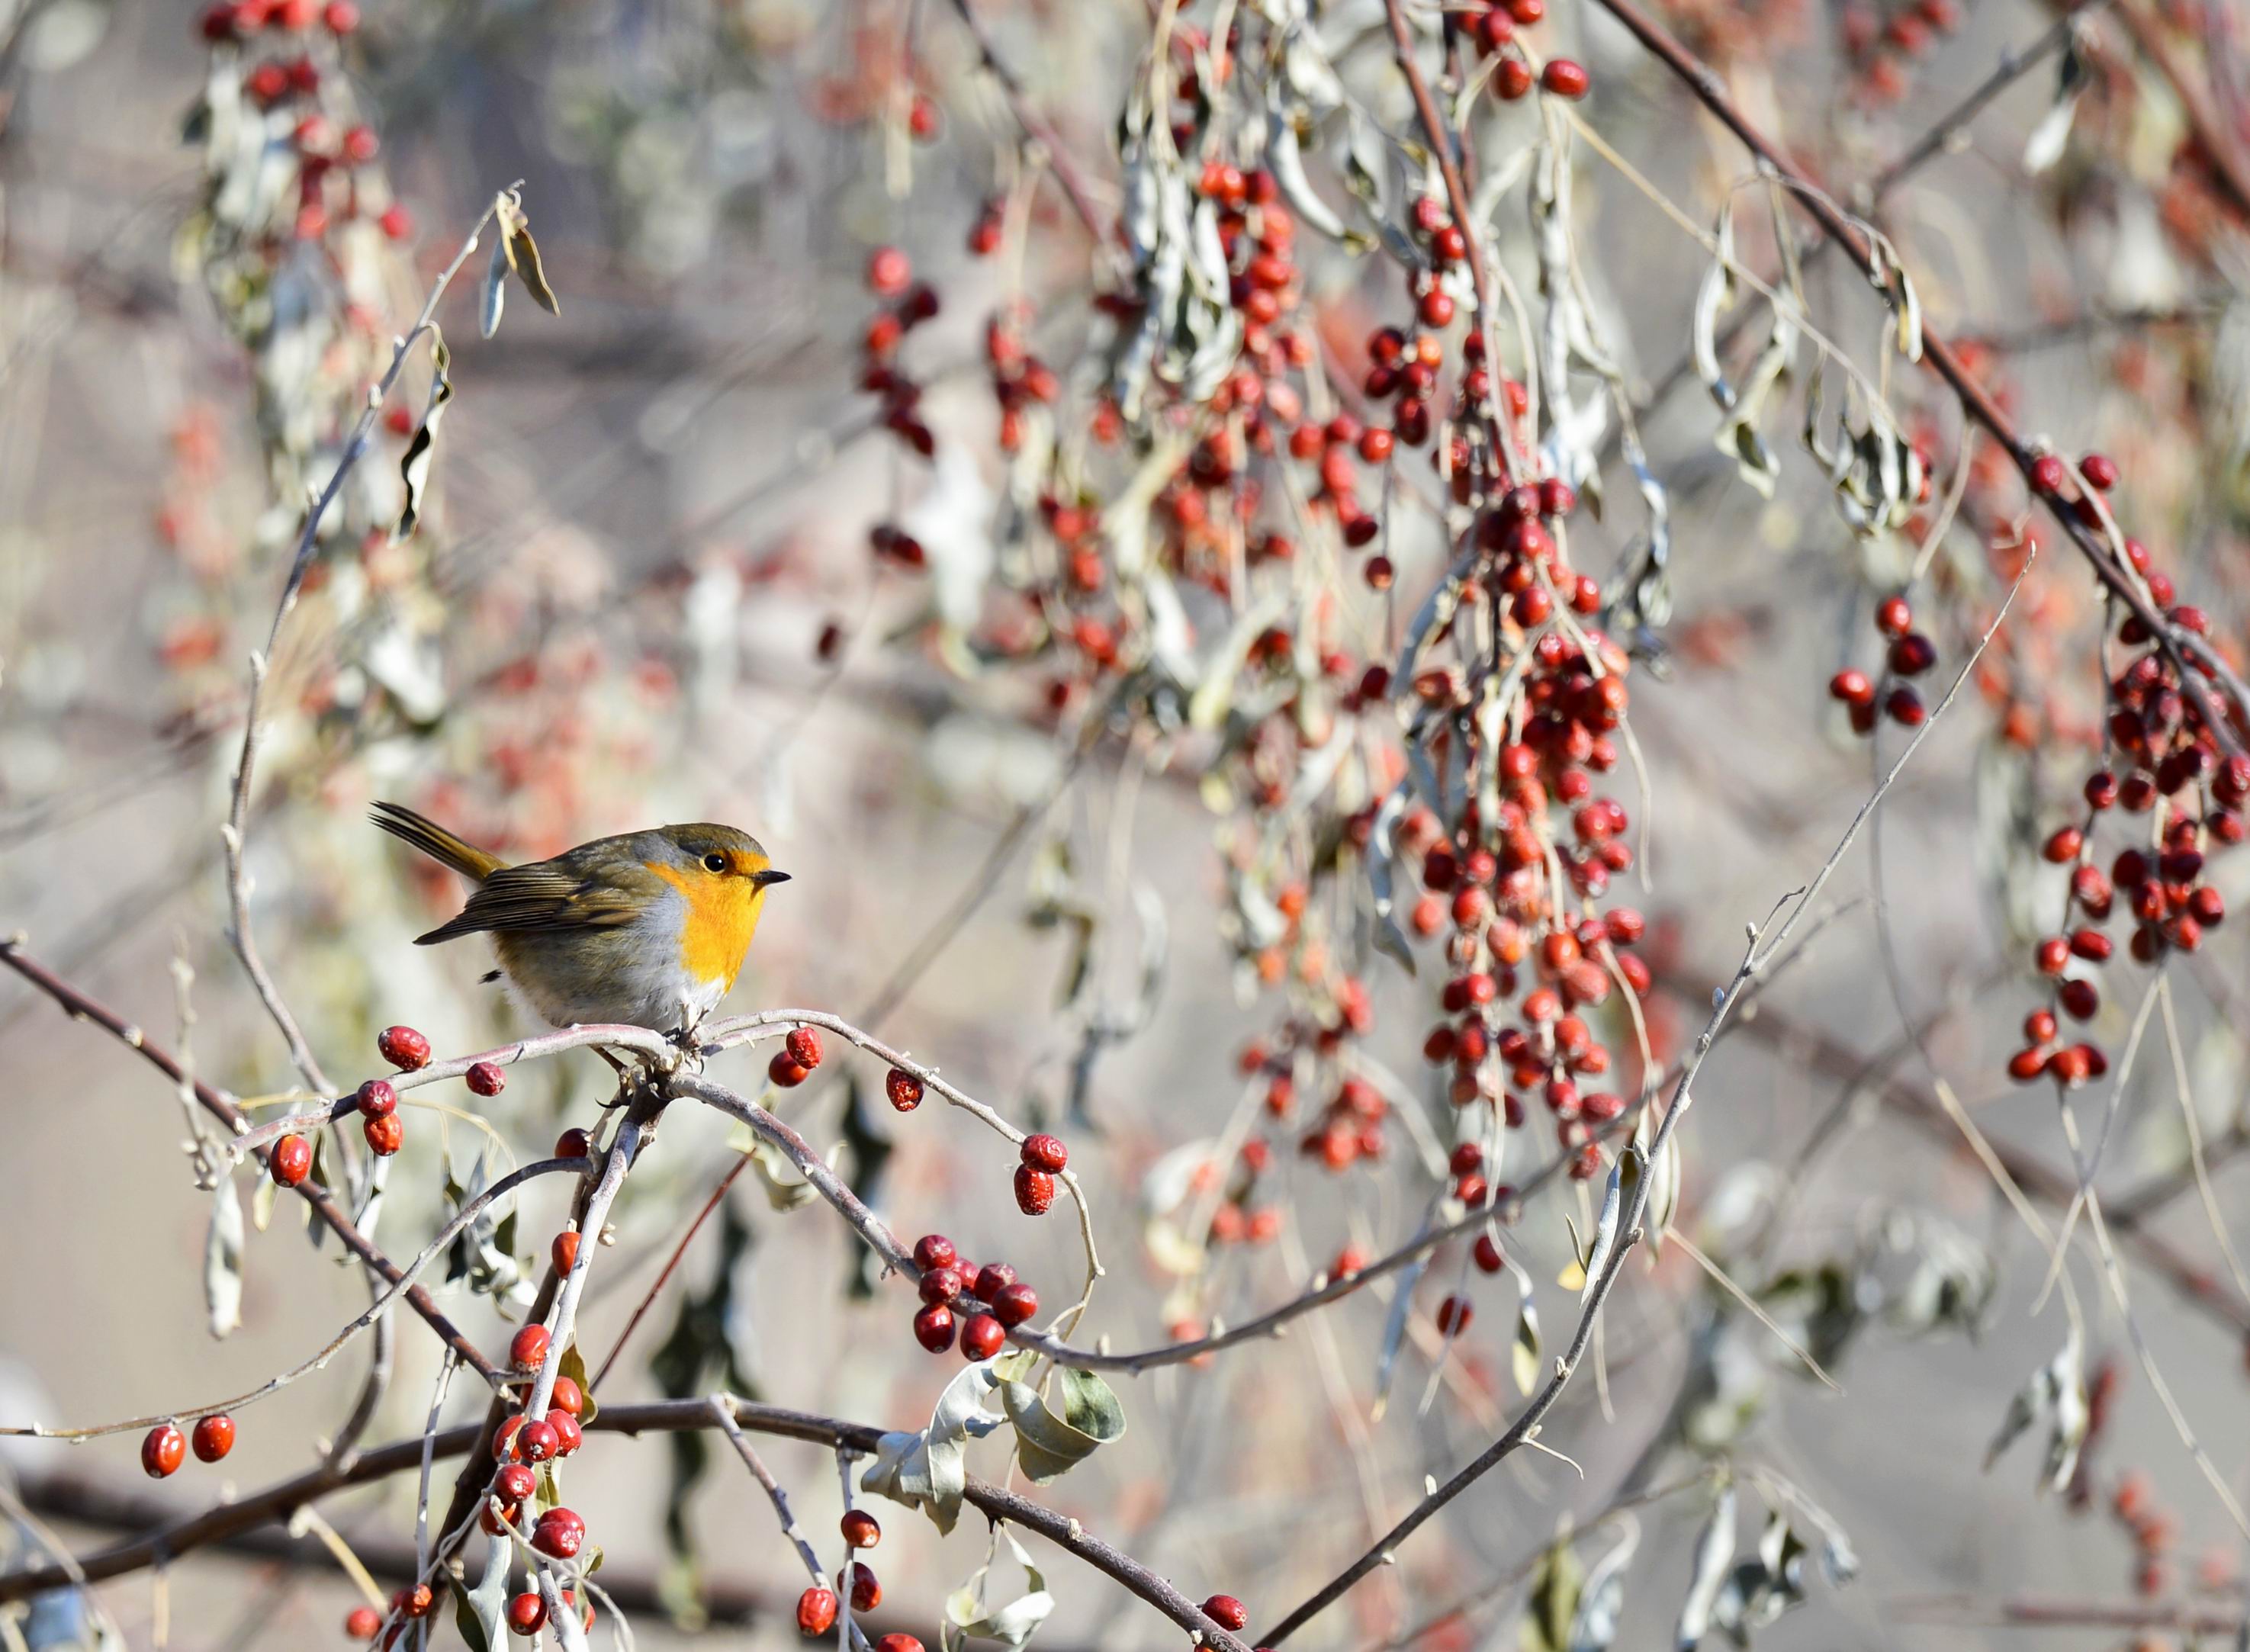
x=648 y=929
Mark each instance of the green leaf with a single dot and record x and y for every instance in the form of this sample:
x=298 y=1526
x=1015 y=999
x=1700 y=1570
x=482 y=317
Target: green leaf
x=477 y=1611
x=1554 y=1602
x=1048 y=1446
x=929 y=1469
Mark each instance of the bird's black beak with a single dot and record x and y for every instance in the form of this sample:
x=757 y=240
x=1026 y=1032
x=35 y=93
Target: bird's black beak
x=762 y=878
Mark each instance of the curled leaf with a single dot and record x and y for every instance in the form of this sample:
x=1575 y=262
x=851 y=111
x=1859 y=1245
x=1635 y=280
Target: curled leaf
x=1048 y=1446
x=414 y=468
x=223 y=1259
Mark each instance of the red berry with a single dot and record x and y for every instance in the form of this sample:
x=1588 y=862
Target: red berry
x=566 y=1396
x=1563 y=79
x=527 y=1348
x=403 y=1048
x=515 y=1482
x=934 y=1250
x=485 y=1078
x=991 y=1279
x=569 y=1436
x=2048 y=474
x=1453 y=1315
x=889 y=272
x=940 y=1285
x=536 y=1440
x=291 y=1160
x=504 y=1447
x=867 y=1593
x=1912 y=655
x=922 y=119
x=1903 y=706
x=361 y=1622
x=1015 y=1304
x=1046 y=1153
x=1227 y=1611
x=1486 y=1251
x=903 y=1090
x=803 y=1046
x=1893 y=617
x=397 y=222
x=560 y=1533
x=1851 y=687
x=861 y=1529
x=1437 y=308
x=933 y=1328
x=414 y=1601
x=1514 y=79
x=496 y=1518
x=213 y=1437
x=1035 y=1191
x=163 y=1449
x=376 y=1099
x=2026 y=1065
x=527 y=1614
x=981 y=1337
x=573 y=1143
x=784 y=1072
x=564 y=1252
x=2099 y=469
x=385 y=1135
x=341 y=16
x=815 y=1613
x=899 y=1644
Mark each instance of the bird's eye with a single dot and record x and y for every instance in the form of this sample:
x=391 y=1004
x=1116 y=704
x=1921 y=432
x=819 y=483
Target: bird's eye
x=714 y=863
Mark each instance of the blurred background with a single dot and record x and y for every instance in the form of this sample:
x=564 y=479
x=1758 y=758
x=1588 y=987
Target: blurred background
x=643 y=588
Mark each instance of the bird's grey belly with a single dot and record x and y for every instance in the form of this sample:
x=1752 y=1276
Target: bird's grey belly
x=627 y=975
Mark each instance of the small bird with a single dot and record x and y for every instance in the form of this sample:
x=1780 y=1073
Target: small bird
x=649 y=928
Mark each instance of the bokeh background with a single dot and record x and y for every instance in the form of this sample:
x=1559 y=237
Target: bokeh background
x=644 y=593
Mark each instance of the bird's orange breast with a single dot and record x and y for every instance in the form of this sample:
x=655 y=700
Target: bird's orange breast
x=722 y=916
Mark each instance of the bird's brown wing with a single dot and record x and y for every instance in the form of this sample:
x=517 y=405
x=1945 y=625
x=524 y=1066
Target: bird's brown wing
x=545 y=896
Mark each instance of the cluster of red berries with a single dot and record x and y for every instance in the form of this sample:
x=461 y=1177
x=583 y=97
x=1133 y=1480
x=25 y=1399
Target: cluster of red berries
x=794 y=1061
x=1019 y=378
x=163 y=1448
x=1040 y=1159
x=1882 y=48
x=908 y=304
x=2169 y=759
x=817 y=1607
x=989 y=1301
x=1906 y=653
x=1492 y=31
x=330 y=158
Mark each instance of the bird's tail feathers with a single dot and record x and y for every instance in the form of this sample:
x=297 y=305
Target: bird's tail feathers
x=435 y=841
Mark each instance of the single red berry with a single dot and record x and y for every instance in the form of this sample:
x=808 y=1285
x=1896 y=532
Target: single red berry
x=2026 y=1065
x=1912 y=655
x=573 y=1143
x=861 y=1529
x=566 y=1396
x=527 y=1348
x=889 y=272
x=899 y=1644
x=1453 y=1315
x=867 y=1592
x=213 y=1437
x=1851 y=687
x=564 y=1253
x=803 y=1046
x=495 y=1517
x=403 y=1048
x=291 y=1160
x=527 y=1614
x=569 y=1436
x=504 y=1449
x=361 y=1622
x=162 y=1450
x=815 y=1613
x=981 y=1337
x=2099 y=469
x=1045 y=1152
x=414 y=1600
x=939 y=1285
x=1904 y=707
x=1014 y=1304
x=784 y=1072
x=1893 y=617
x=1035 y=1191
x=397 y=223
x=933 y=1328
x=1227 y=1611
x=1514 y=79
x=1437 y=308
x=903 y=1090
x=1487 y=1252
x=1563 y=79
x=2049 y=473
x=341 y=16
x=376 y=1099
x=485 y=1078
x=922 y=119
x=934 y=1250
x=536 y=1440
x=560 y=1533
x=515 y=1482
x=385 y=1135
x=991 y=1279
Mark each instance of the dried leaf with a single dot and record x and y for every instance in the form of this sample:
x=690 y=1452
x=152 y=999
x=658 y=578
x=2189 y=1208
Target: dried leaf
x=223 y=1259
x=967 y=1615
x=414 y=468
x=2045 y=146
x=928 y=1471
x=1715 y=1551
x=1048 y=1446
